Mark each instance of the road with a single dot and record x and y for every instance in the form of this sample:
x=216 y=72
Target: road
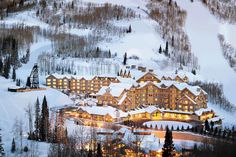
x=183 y=136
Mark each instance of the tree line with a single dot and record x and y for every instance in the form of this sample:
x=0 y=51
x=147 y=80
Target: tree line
x=171 y=19
x=215 y=94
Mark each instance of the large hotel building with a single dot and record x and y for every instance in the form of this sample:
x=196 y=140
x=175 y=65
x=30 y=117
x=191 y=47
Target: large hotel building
x=129 y=92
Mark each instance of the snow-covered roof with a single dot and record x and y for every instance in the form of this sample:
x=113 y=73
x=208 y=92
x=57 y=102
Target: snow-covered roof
x=147 y=141
x=115 y=89
x=174 y=111
x=58 y=76
x=104 y=110
x=122 y=99
x=107 y=75
x=137 y=111
x=189 y=99
x=127 y=80
x=151 y=109
x=145 y=73
x=202 y=110
x=215 y=119
x=196 y=90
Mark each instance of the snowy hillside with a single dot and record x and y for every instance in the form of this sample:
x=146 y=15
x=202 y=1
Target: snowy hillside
x=13 y=106
x=203 y=29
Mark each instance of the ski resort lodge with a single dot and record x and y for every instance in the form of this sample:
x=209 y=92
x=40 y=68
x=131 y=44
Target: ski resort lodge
x=168 y=97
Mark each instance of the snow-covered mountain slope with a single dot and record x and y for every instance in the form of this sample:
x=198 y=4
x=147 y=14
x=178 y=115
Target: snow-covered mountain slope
x=203 y=28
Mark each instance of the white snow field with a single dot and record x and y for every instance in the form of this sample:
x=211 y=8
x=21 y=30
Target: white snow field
x=202 y=28
x=164 y=124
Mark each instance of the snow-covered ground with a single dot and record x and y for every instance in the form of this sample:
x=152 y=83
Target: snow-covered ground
x=37 y=48
x=228 y=118
x=164 y=124
x=13 y=105
x=203 y=28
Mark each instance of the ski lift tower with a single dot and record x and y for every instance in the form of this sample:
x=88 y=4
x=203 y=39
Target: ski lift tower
x=34 y=77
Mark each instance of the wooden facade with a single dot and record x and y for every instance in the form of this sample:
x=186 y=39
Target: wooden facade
x=80 y=85
x=148 y=90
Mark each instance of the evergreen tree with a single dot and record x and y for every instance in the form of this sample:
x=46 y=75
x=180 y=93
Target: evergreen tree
x=207 y=127
x=1 y=146
x=188 y=128
x=129 y=30
x=17 y=82
x=27 y=55
x=6 y=68
x=201 y=131
x=212 y=125
x=125 y=59
x=37 y=119
x=13 y=146
x=44 y=121
x=1 y=66
x=97 y=55
x=224 y=134
x=72 y=5
x=28 y=83
x=167 y=49
x=109 y=54
x=160 y=50
x=161 y=128
x=194 y=72
x=14 y=74
x=168 y=148
x=172 y=41
x=215 y=131
x=99 y=150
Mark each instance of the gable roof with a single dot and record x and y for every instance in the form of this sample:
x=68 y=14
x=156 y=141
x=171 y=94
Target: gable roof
x=103 y=111
x=146 y=73
x=115 y=89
